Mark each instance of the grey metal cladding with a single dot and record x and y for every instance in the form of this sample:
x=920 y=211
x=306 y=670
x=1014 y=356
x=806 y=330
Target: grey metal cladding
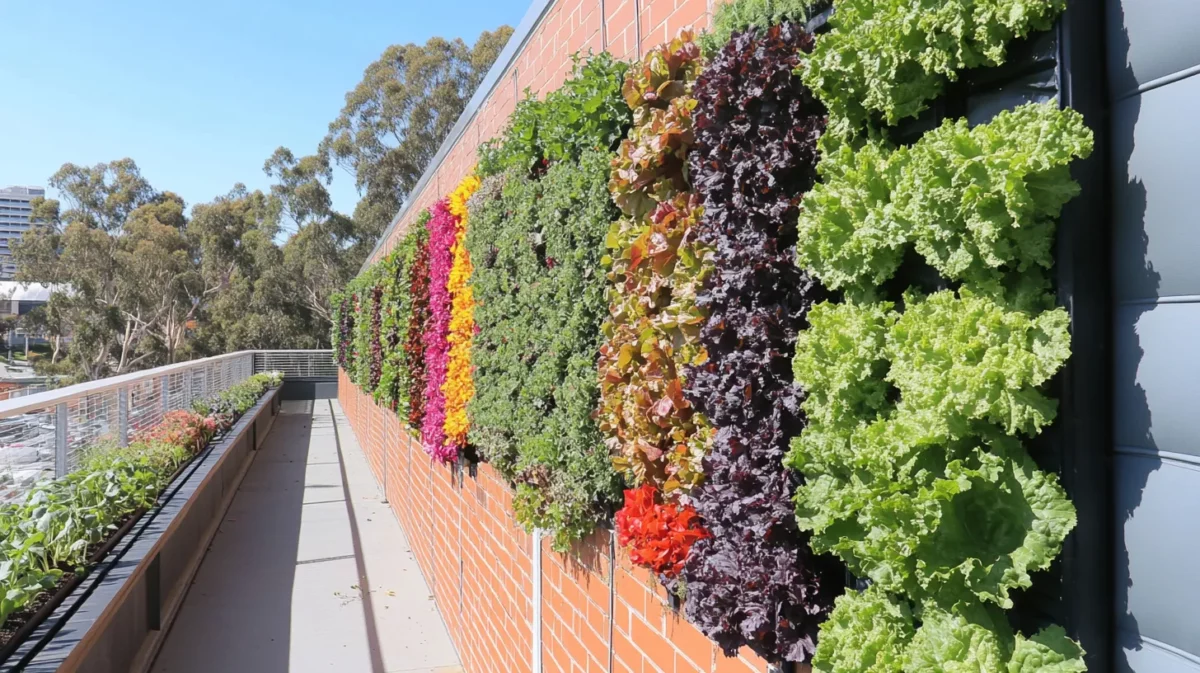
x=1150 y=40
x=1158 y=536
x=1156 y=377
x=1156 y=203
x=1140 y=658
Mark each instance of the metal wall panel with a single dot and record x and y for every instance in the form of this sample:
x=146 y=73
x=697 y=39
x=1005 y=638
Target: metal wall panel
x=1156 y=204
x=1153 y=56
x=1150 y=40
x=1157 y=377
x=1158 y=535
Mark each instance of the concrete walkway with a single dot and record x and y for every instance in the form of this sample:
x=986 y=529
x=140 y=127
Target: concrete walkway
x=310 y=571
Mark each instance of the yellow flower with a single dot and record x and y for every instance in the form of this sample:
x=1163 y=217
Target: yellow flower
x=459 y=386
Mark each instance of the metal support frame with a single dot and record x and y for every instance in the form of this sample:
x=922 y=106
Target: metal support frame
x=536 y=577
x=123 y=416
x=60 y=439
x=164 y=384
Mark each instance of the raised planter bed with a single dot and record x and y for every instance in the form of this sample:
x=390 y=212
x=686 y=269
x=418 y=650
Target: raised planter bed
x=115 y=618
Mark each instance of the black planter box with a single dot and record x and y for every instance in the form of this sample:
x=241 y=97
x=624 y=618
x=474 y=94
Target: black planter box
x=116 y=619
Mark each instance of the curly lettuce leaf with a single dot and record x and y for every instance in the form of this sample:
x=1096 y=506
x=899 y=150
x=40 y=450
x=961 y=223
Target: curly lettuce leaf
x=948 y=522
x=978 y=204
x=982 y=202
x=849 y=235
x=840 y=361
x=866 y=633
x=1049 y=651
x=970 y=358
x=885 y=59
x=970 y=639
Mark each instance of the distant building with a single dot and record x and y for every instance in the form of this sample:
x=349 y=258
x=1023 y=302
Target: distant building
x=17 y=299
x=15 y=214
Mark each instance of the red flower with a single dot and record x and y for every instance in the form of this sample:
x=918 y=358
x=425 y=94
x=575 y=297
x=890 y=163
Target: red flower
x=658 y=536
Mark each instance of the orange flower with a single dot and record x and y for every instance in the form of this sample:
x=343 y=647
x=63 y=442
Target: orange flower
x=459 y=386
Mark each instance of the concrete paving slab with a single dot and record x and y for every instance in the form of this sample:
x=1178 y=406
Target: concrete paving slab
x=296 y=583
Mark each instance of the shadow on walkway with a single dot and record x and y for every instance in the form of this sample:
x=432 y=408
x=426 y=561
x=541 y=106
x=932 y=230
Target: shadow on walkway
x=310 y=570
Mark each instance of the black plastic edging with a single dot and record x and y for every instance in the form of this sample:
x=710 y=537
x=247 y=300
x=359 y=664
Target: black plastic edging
x=26 y=656
x=1083 y=429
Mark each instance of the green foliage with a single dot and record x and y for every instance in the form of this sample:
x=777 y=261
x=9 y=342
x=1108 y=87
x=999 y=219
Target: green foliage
x=536 y=245
x=928 y=472
x=396 y=273
x=585 y=113
x=979 y=204
x=966 y=359
x=362 y=289
x=395 y=119
x=228 y=405
x=739 y=15
x=872 y=632
x=865 y=633
x=885 y=59
x=915 y=473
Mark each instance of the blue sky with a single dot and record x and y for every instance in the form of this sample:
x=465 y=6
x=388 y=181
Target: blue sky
x=198 y=93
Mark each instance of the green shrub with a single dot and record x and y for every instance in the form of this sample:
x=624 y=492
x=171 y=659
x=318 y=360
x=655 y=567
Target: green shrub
x=740 y=15
x=585 y=113
x=536 y=245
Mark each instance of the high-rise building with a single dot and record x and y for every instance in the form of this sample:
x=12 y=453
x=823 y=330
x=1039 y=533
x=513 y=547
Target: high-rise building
x=15 y=213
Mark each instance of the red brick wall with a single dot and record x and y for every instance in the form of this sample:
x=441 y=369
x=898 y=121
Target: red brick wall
x=479 y=564
x=477 y=559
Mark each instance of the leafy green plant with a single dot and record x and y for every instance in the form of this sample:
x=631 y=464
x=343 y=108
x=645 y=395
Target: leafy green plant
x=979 y=204
x=739 y=15
x=885 y=60
x=536 y=245
x=585 y=113
x=54 y=530
x=366 y=306
x=915 y=476
x=397 y=308
x=228 y=405
x=873 y=632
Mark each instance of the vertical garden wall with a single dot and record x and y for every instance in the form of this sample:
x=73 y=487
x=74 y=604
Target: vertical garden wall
x=794 y=307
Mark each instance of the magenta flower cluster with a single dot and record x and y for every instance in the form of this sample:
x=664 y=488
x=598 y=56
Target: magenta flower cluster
x=442 y=230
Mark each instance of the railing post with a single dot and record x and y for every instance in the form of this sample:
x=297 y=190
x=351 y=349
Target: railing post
x=189 y=377
x=60 y=439
x=123 y=416
x=165 y=384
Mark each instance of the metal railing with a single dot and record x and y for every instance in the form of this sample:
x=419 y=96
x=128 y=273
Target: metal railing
x=45 y=435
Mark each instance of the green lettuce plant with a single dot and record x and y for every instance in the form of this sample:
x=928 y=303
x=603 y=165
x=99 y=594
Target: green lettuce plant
x=978 y=204
x=885 y=60
x=738 y=16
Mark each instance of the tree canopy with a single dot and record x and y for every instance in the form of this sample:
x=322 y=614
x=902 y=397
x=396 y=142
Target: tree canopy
x=143 y=282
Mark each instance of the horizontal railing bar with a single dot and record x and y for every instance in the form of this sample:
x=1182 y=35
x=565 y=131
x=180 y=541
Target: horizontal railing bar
x=49 y=398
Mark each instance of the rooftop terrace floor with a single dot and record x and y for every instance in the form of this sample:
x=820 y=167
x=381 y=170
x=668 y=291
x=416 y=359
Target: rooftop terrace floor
x=310 y=570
